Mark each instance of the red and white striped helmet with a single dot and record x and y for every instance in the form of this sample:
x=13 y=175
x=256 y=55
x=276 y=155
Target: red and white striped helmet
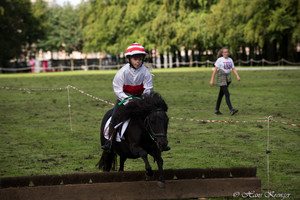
x=135 y=49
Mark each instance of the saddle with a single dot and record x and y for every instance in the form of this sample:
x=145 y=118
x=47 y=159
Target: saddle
x=121 y=129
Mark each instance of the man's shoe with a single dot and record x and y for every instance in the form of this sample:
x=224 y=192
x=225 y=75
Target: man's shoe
x=107 y=145
x=218 y=112
x=233 y=111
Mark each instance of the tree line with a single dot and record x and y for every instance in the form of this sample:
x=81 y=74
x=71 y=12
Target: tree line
x=248 y=28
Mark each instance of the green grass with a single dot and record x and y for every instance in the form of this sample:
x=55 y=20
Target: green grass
x=36 y=137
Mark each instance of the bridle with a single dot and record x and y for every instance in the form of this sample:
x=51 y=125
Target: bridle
x=149 y=128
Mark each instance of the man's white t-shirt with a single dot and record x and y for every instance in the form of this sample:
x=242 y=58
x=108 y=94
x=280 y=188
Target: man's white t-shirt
x=224 y=64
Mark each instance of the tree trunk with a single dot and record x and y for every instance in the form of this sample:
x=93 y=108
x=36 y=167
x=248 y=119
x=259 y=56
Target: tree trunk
x=192 y=58
x=100 y=61
x=186 y=59
x=86 y=63
x=269 y=50
x=179 y=56
x=243 y=55
x=287 y=49
x=72 y=64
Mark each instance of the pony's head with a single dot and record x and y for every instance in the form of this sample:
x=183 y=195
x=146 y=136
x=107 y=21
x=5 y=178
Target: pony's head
x=152 y=108
x=156 y=124
x=145 y=106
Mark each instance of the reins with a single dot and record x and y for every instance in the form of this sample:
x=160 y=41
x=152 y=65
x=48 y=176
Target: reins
x=146 y=121
x=148 y=125
x=130 y=96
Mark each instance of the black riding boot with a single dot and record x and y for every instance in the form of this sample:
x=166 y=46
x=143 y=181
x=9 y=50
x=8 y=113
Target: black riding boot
x=111 y=137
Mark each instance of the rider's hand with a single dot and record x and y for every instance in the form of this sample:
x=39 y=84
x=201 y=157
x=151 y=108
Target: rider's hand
x=128 y=101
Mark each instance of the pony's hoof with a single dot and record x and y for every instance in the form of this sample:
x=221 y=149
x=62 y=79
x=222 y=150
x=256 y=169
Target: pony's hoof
x=161 y=184
x=149 y=178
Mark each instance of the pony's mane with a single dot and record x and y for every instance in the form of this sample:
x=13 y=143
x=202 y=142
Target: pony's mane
x=141 y=108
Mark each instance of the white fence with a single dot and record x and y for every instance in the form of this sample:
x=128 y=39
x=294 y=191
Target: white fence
x=158 y=64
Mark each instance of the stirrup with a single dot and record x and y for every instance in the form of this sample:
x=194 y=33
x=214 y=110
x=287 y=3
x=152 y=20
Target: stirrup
x=107 y=145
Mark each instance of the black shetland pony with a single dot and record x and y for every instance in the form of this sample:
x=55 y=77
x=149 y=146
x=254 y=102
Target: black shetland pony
x=145 y=134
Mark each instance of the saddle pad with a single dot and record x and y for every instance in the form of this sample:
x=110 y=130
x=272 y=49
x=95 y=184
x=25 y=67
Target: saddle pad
x=119 y=135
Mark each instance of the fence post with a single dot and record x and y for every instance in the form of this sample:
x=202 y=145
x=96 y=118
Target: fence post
x=69 y=106
x=100 y=61
x=270 y=118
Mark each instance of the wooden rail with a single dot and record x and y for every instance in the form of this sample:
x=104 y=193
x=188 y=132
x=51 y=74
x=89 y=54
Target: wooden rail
x=180 y=183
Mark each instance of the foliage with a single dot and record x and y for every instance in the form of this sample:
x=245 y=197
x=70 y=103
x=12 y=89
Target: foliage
x=270 y=27
x=36 y=137
x=63 y=29
x=19 y=28
x=204 y=24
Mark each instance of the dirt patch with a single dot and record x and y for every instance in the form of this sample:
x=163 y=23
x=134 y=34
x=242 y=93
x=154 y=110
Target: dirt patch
x=259 y=126
x=89 y=157
x=295 y=172
x=47 y=160
x=243 y=136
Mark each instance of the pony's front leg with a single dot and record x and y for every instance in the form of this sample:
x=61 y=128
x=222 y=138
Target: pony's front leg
x=149 y=172
x=143 y=154
x=161 y=178
x=122 y=161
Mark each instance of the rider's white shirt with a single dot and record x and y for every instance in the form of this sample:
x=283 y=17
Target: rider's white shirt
x=130 y=81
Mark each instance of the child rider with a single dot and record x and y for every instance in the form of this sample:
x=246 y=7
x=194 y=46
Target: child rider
x=132 y=79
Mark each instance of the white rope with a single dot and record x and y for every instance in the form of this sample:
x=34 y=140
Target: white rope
x=289 y=62
x=265 y=68
x=15 y=69
x=271 y=62
x=241 y=61
x=255 y=61
x=31 y=89
x=106 y=66
x=69 y=106
x=107 y=102
x=89 y=95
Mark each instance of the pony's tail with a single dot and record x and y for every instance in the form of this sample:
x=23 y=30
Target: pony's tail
x=107 y=161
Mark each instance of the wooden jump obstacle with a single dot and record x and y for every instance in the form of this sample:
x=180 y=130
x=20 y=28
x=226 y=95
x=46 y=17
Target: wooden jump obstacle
x=180 y=183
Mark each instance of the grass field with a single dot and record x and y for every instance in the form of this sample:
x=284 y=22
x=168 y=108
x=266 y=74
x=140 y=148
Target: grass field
x=36 y=137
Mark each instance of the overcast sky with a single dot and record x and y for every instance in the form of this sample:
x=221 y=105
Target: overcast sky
x=73 y=2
